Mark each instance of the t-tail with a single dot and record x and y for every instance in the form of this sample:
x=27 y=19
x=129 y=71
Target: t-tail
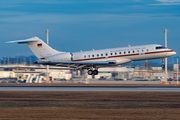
x=38 y=47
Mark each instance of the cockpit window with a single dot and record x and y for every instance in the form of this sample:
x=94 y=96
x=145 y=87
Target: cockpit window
x=160 y=47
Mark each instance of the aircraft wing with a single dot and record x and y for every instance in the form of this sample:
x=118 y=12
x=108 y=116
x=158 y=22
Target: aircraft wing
x=75 y=65
x=83 y=65
x=87 y=64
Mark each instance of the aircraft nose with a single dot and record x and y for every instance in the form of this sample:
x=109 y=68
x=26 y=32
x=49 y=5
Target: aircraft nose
x=172 y=53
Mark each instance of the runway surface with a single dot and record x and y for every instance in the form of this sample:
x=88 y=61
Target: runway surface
x=93 y=88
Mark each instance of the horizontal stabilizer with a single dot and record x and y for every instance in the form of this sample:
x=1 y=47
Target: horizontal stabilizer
x=33 y=39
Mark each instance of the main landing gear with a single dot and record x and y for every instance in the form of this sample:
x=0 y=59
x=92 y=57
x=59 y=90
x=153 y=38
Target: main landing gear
x=92 y=72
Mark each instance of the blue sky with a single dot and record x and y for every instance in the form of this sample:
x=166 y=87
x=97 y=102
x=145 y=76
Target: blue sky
x=85 y=24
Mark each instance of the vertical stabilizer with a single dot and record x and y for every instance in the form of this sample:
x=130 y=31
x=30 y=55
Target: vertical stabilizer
x=38 y=47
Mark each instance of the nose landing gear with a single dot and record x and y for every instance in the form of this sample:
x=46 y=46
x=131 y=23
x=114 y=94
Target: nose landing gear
x=163 y=63
x=163 y=66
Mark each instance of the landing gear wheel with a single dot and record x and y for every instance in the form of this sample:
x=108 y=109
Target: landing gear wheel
x=163 y=66
x=95 y=72
x=90 y=72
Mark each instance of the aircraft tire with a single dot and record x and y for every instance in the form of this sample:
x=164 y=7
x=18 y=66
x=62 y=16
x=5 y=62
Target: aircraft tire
x=163 y=66
x=90 y=72
x=95 y=72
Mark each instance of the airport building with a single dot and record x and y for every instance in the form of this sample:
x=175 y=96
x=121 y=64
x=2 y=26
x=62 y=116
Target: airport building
x=33 y=74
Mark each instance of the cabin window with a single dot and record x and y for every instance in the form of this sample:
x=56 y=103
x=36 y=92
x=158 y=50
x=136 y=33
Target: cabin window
x=119 y=52
x=129 y=52
x=142 y=50
x=85 y=56
x=137 y=50
x=111 y=53
x=147 y=50
x=92 y=55
x=133 y=51
x=101 y=54
x=97 y=55
x=115 y=53
x=106 y=54
x=89 y=56
x=124 y=52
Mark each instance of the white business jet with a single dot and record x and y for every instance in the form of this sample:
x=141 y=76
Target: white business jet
x=92 y=60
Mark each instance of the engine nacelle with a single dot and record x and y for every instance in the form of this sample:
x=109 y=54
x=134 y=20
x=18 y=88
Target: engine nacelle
x=60 y=57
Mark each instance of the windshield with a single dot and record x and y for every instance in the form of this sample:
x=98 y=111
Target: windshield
x=160 y=47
